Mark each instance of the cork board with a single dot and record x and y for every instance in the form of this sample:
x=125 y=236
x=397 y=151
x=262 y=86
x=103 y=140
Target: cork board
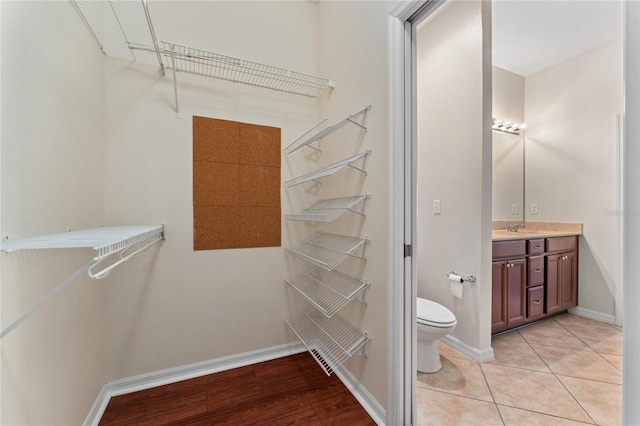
x=236 y=185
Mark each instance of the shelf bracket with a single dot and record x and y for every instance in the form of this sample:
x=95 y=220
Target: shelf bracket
x=175 y=81
x=153 y=36
x=48 y=297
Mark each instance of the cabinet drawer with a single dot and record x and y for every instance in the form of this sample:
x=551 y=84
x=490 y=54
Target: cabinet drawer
x=535 y=271
x=535 y=246
x=507 y=249
x=562 y=244
x=535 y=301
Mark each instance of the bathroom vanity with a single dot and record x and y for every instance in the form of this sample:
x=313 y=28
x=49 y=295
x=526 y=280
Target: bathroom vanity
x=534 y=275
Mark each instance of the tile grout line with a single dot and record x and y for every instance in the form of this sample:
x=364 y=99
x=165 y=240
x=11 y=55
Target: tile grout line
x=589 y=346
x=540 y=412
x=556 y=377
x=491 y=393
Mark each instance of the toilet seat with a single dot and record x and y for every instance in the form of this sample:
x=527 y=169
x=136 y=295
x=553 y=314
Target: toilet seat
x=434 y=314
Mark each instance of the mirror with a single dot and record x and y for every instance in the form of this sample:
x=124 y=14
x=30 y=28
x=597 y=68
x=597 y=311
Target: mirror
x=508 y=148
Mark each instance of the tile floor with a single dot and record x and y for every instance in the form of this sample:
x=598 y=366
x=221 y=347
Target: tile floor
x=565 y=370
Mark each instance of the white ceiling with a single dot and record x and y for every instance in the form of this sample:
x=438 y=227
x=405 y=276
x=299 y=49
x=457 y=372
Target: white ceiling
x=529 y=36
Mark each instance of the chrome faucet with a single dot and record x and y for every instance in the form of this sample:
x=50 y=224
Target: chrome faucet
x=514 y=228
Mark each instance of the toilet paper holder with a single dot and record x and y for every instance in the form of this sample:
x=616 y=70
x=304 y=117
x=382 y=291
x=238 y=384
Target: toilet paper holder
x=454 y=274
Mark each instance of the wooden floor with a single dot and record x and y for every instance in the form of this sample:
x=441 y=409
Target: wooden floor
x=287 y=391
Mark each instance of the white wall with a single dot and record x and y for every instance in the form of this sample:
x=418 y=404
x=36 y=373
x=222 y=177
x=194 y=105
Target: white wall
x=53 y=364
x=346 y=31
x=571 y=157
x=174 y=306
x=508 y=149
x=454 y=86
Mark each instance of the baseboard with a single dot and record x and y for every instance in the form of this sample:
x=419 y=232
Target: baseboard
x=594 y=315
x=185 y=372
x=368 y=402
x=469 y=351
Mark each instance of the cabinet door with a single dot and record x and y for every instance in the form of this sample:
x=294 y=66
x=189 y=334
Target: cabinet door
x=552 y=268
x=569 y=280
x=498 y=297
x=516 y=297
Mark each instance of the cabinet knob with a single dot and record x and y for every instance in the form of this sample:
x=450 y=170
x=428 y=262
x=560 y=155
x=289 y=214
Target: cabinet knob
x=537 y=302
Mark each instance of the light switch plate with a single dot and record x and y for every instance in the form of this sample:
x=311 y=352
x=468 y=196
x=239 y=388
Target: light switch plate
x=436 y=207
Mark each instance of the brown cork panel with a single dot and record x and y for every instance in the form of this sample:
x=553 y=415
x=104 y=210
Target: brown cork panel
x=216 y=228
x=260 y=145
x=260 y=226
x=236 y=185
x=216 y=184
x=216 y=140
x=259 y=186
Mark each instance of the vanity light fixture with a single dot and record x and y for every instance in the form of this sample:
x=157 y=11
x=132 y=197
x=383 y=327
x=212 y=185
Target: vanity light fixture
x=507 y=126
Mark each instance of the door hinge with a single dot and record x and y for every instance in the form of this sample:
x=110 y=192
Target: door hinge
x=408 y=250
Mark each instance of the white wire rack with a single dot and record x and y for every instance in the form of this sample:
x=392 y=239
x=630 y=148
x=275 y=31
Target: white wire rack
x=209 y=64
x=327 y=291
x=122 y=29
x=329 y=250
x=356 y=162
x=330 y=209
x=322 y=129
x=106 y=241
x=331 y=341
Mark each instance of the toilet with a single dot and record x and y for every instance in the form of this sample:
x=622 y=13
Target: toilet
x=434 y=321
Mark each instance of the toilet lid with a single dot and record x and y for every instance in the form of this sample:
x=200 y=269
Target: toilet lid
x=431 y=312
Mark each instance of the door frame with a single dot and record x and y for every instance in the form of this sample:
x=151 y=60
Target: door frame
x=402 y=293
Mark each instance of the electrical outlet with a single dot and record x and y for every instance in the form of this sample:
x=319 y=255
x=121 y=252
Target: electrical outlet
x=534 y=208
x=515 y=209
x=436 y=207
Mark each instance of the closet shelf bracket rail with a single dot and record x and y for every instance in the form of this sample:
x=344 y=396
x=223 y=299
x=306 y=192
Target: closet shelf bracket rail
x=321 y=130
x=107 y=241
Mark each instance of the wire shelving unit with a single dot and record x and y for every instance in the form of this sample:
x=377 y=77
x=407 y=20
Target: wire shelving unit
x=328 y=292
x=124 y=29
x=329 y=250
x=331 y=341
x=356 y=162
x=322 y=129
x=329 y=210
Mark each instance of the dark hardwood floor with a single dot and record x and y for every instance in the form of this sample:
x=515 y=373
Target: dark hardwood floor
x=287 y=391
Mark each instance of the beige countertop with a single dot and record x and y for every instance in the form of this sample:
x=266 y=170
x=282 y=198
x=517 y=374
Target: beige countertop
x=533 y=230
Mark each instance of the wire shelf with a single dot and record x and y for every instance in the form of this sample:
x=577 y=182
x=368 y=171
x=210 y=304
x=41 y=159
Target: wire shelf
x=329 y=210
x=120 y=28
x=322 y=129
x=332 y=169
x=209 y=64
x=331 y=341
x=328 y=292
x=329 y=250
x=106 y=240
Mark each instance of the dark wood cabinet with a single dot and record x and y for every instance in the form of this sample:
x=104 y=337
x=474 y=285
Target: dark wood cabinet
x=533 y=279
x=498 y=297
x=509 y=284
